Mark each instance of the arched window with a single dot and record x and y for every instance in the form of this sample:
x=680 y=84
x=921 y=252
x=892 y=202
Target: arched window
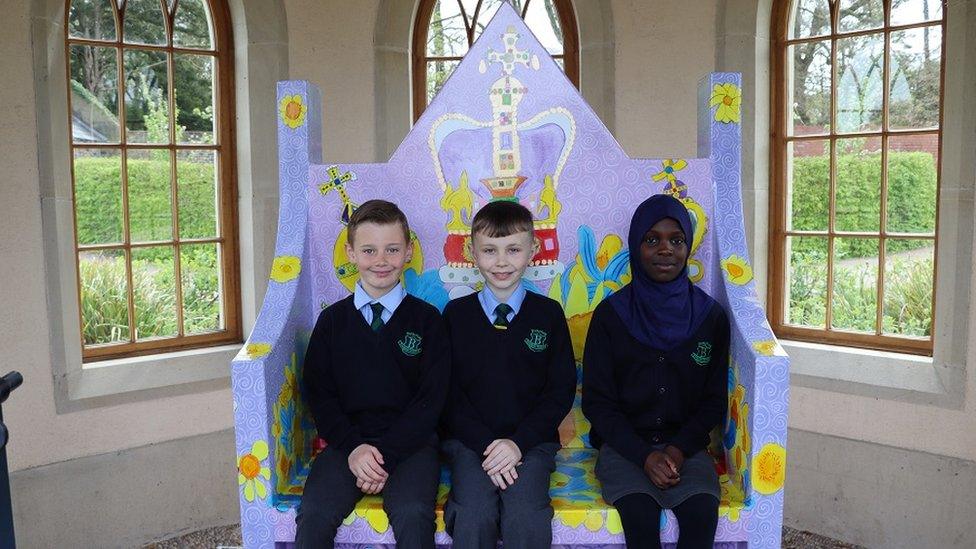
x=445 y=29
x=857 y=118
x=150 y=90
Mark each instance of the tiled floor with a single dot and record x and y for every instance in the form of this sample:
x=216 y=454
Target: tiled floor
x=230 y=536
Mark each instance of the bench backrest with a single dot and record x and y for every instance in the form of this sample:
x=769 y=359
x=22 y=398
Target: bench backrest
x=508 y=125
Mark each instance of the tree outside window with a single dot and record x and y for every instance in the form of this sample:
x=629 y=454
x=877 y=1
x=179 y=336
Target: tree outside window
x=446 y=29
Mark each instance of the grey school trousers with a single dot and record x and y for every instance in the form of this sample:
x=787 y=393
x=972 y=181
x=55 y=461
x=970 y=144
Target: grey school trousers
x=330 y=495
x=477 y=512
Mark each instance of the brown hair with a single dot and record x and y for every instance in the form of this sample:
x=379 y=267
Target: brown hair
x=502 y=218
x=380 y=212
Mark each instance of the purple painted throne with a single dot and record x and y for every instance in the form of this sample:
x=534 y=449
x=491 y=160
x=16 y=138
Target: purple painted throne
x=508 y=126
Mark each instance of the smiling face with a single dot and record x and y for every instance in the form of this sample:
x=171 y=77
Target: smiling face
x=380 y=253
x=502 y=260
x=664 y=251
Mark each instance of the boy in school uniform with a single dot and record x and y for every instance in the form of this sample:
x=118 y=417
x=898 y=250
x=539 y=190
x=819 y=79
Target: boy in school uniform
x=513 y=381
x=375 y=376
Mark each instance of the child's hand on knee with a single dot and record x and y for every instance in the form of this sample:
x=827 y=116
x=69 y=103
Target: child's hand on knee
x=504 y=479
x=370 y=487
x=501 y=455
x=366 y=464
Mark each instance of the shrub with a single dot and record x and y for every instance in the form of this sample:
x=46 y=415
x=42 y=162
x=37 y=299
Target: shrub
x=104 y=301
x=911 y=199
x=907 y=309
x=98 y=201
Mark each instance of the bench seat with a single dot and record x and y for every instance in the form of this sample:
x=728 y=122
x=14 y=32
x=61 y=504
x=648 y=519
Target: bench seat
x=581 y=514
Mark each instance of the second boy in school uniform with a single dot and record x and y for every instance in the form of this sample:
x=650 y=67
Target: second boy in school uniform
x=376 y=376
x=513 y=381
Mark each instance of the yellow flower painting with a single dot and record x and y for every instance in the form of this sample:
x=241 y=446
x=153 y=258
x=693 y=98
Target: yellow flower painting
x=250 y=467
x=257 y=350
x=292 y=110
x=370 y=509
x=769 y=469
x=728 y=98
x=285 y=268
x=767 y=347
x=737 y=270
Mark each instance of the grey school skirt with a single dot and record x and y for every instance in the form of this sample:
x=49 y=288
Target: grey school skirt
x=620 y=477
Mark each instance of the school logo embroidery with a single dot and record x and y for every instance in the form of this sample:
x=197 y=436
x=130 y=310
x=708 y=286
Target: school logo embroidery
x=410 y=344
x=537 y=341
x=704 y=353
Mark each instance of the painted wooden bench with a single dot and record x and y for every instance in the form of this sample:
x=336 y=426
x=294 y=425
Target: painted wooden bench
x=508 y=125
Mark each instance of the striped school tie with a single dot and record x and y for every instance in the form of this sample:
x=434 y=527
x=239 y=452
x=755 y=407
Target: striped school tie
x=501 y=316
x=377 y=322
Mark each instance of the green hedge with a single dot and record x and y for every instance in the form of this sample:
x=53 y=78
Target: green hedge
x=98 y=204
x=911 y=199
x=98 y=200
x=908 y=284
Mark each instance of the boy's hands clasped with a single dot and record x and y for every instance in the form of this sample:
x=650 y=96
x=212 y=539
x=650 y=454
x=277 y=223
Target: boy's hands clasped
x=366 y=463
x=501 y=458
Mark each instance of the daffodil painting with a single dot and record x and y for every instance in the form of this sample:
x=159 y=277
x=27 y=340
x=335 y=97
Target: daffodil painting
x=737 y=270
x=285 y=268
x=251 y=469
x=576 y=493
x=257 y=350
x=727 y=98
x=292 y=110
x=767 y=347
x=370 y=509
x=769 y=468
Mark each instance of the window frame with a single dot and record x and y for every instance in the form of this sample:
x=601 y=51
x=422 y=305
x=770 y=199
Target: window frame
x=419 y=58
x=777 y=290
x=224 y=146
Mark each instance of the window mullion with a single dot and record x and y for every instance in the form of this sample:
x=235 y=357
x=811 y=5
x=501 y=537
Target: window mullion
x=124 y=154
x=174 y=193
x=832 y=175
x=883 y=242
x=831 y=212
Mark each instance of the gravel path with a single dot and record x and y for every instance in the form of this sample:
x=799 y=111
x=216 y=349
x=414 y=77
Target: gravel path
x=230 y=537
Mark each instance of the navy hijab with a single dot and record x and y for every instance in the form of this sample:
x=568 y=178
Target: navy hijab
x=660 y=315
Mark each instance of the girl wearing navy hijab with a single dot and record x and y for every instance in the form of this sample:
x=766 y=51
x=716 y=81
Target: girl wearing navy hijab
x=655 y=375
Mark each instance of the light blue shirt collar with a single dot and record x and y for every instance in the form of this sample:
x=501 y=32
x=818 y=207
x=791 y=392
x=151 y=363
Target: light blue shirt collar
x=489 y=301
x=390 y=301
